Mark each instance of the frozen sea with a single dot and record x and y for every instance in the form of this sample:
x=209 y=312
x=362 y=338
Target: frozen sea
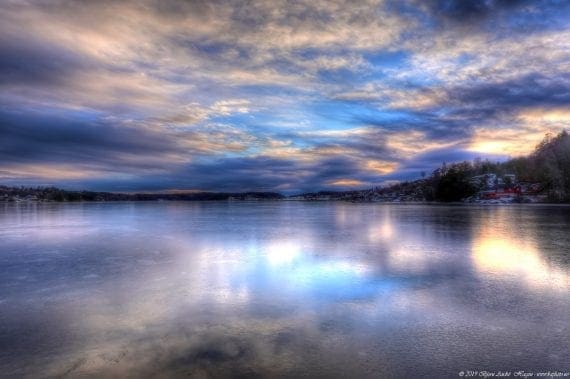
x=282 y=289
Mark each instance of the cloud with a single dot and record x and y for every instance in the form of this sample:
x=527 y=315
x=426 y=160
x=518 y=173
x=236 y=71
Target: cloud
x=91 y=143
x=469 y=10
x=272 y=95
x=32 y=63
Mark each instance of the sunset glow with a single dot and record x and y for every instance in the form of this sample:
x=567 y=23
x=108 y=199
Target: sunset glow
x=266 y=96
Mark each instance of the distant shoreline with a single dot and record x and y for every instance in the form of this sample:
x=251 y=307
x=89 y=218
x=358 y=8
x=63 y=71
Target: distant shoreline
x=56 y=195
x=403 y=203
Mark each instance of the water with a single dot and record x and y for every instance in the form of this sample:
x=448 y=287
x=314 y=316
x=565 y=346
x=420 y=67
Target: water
x=282 y=289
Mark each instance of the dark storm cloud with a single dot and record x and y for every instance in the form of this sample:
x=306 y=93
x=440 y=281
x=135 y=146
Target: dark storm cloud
x=265 y=173
x=469 y=10
x=335 y=167
x=465 y=107
x=490 y=103
x=498 y=19
x=221 y=174
x=534 y=90
x=34 y=63
x=244 y=174
x=435 y=126
x=28 y=137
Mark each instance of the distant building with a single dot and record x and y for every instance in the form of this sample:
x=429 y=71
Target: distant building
x=485 y=181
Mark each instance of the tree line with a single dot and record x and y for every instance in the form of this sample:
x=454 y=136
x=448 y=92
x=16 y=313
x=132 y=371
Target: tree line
x=548 y=165
x=60 y=195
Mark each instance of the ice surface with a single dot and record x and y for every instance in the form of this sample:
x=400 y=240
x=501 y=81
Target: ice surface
x=282 y=289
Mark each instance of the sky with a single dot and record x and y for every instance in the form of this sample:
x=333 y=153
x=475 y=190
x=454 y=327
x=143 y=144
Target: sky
x=286 y=96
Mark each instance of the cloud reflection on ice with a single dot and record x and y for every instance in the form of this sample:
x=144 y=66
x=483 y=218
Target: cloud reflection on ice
x=505 y=255
x=275 y=289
